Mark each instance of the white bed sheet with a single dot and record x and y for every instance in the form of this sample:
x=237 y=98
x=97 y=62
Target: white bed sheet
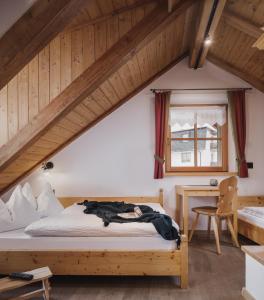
x=19 y=240
x=72 y=222
x=245 y=216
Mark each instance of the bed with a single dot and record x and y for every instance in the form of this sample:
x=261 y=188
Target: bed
x=79 y=255
x=249 y=225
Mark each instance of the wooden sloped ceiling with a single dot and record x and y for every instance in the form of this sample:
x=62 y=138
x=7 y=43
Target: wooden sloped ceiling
x=162 y=49
x=62 y=60
x=237 y=31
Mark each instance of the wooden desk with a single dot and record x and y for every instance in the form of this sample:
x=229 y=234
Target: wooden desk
x=183 y=192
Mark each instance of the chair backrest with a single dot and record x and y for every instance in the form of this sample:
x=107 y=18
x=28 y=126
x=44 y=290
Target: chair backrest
x=228 y=194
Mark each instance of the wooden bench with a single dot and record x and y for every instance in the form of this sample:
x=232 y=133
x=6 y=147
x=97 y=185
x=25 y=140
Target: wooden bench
x=41 y=274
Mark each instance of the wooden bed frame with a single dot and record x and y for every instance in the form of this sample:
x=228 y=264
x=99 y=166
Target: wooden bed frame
x=86 y=262
x=251 y=231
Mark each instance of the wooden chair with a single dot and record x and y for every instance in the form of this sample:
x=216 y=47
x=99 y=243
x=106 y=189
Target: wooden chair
x=224 y=210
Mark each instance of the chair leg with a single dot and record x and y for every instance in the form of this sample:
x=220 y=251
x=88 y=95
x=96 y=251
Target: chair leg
x=219 y=224
x=216 y=235
x=209 y=226
x=231 y=229
x=194 y=224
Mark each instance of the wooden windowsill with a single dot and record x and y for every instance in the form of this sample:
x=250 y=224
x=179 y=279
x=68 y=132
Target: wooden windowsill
x=167 y=174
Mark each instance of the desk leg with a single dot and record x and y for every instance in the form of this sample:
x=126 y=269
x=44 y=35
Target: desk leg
x=185 y=204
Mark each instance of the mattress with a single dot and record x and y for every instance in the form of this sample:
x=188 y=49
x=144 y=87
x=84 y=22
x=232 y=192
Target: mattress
x=72 y=222
x=246 y=216
x=19 y=240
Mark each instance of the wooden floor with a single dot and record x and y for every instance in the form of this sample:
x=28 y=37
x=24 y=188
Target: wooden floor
x=211 y=277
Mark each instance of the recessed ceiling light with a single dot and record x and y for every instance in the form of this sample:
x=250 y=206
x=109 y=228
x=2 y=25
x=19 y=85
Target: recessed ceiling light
x=208 y=41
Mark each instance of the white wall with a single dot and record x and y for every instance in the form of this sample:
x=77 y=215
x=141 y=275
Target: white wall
x=11 y=11
x=115 y=158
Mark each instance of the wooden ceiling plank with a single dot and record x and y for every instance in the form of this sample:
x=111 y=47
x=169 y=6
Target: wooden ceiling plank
x=254 y=81
x=116 y=12
x=242 y=24
x=109 y=91
x=32 y=32
x=210 y=15
x=93 y=106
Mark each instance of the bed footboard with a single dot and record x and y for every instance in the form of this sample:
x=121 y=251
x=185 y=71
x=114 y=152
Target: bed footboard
x=82 y=262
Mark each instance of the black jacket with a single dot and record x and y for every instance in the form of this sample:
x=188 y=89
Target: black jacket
x=108 y=212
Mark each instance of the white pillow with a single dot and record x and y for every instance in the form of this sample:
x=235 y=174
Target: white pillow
x=48 y=204
x=6 y=222
x=27 y=192
x=22 y=212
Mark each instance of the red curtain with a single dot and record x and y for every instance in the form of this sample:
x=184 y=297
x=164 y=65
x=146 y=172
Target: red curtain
x=237 y=105
x=161 y=104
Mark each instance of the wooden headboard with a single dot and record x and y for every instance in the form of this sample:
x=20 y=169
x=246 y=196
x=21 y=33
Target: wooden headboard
x=68 y=201
x=244 y=201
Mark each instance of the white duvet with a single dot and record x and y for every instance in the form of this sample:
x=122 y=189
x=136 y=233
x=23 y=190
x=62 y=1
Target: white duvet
x=73 y=222
x=254 y=211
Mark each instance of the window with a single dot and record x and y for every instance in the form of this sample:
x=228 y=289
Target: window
x=197 y=138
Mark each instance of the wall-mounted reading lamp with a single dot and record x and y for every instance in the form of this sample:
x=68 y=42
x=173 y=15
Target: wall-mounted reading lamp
x=47 y=166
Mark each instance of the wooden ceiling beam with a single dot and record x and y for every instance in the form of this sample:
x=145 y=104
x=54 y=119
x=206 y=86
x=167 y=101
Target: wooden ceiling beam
x=255 y=82
x=241 y=24
x=209 y=18
x=91 y=79
x=32 y=32
x=137 y=4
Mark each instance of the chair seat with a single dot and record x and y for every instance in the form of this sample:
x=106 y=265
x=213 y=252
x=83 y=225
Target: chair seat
x=205 y=210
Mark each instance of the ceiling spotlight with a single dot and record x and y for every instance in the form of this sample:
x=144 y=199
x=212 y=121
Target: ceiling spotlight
x=208 y=41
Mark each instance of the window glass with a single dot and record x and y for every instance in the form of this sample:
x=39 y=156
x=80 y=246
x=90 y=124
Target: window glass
x=182 y=153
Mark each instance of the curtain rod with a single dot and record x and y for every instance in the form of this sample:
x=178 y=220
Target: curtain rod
x=203 y=89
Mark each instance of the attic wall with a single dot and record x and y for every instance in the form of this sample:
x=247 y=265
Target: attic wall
x=115 y=158
x=58 y=64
